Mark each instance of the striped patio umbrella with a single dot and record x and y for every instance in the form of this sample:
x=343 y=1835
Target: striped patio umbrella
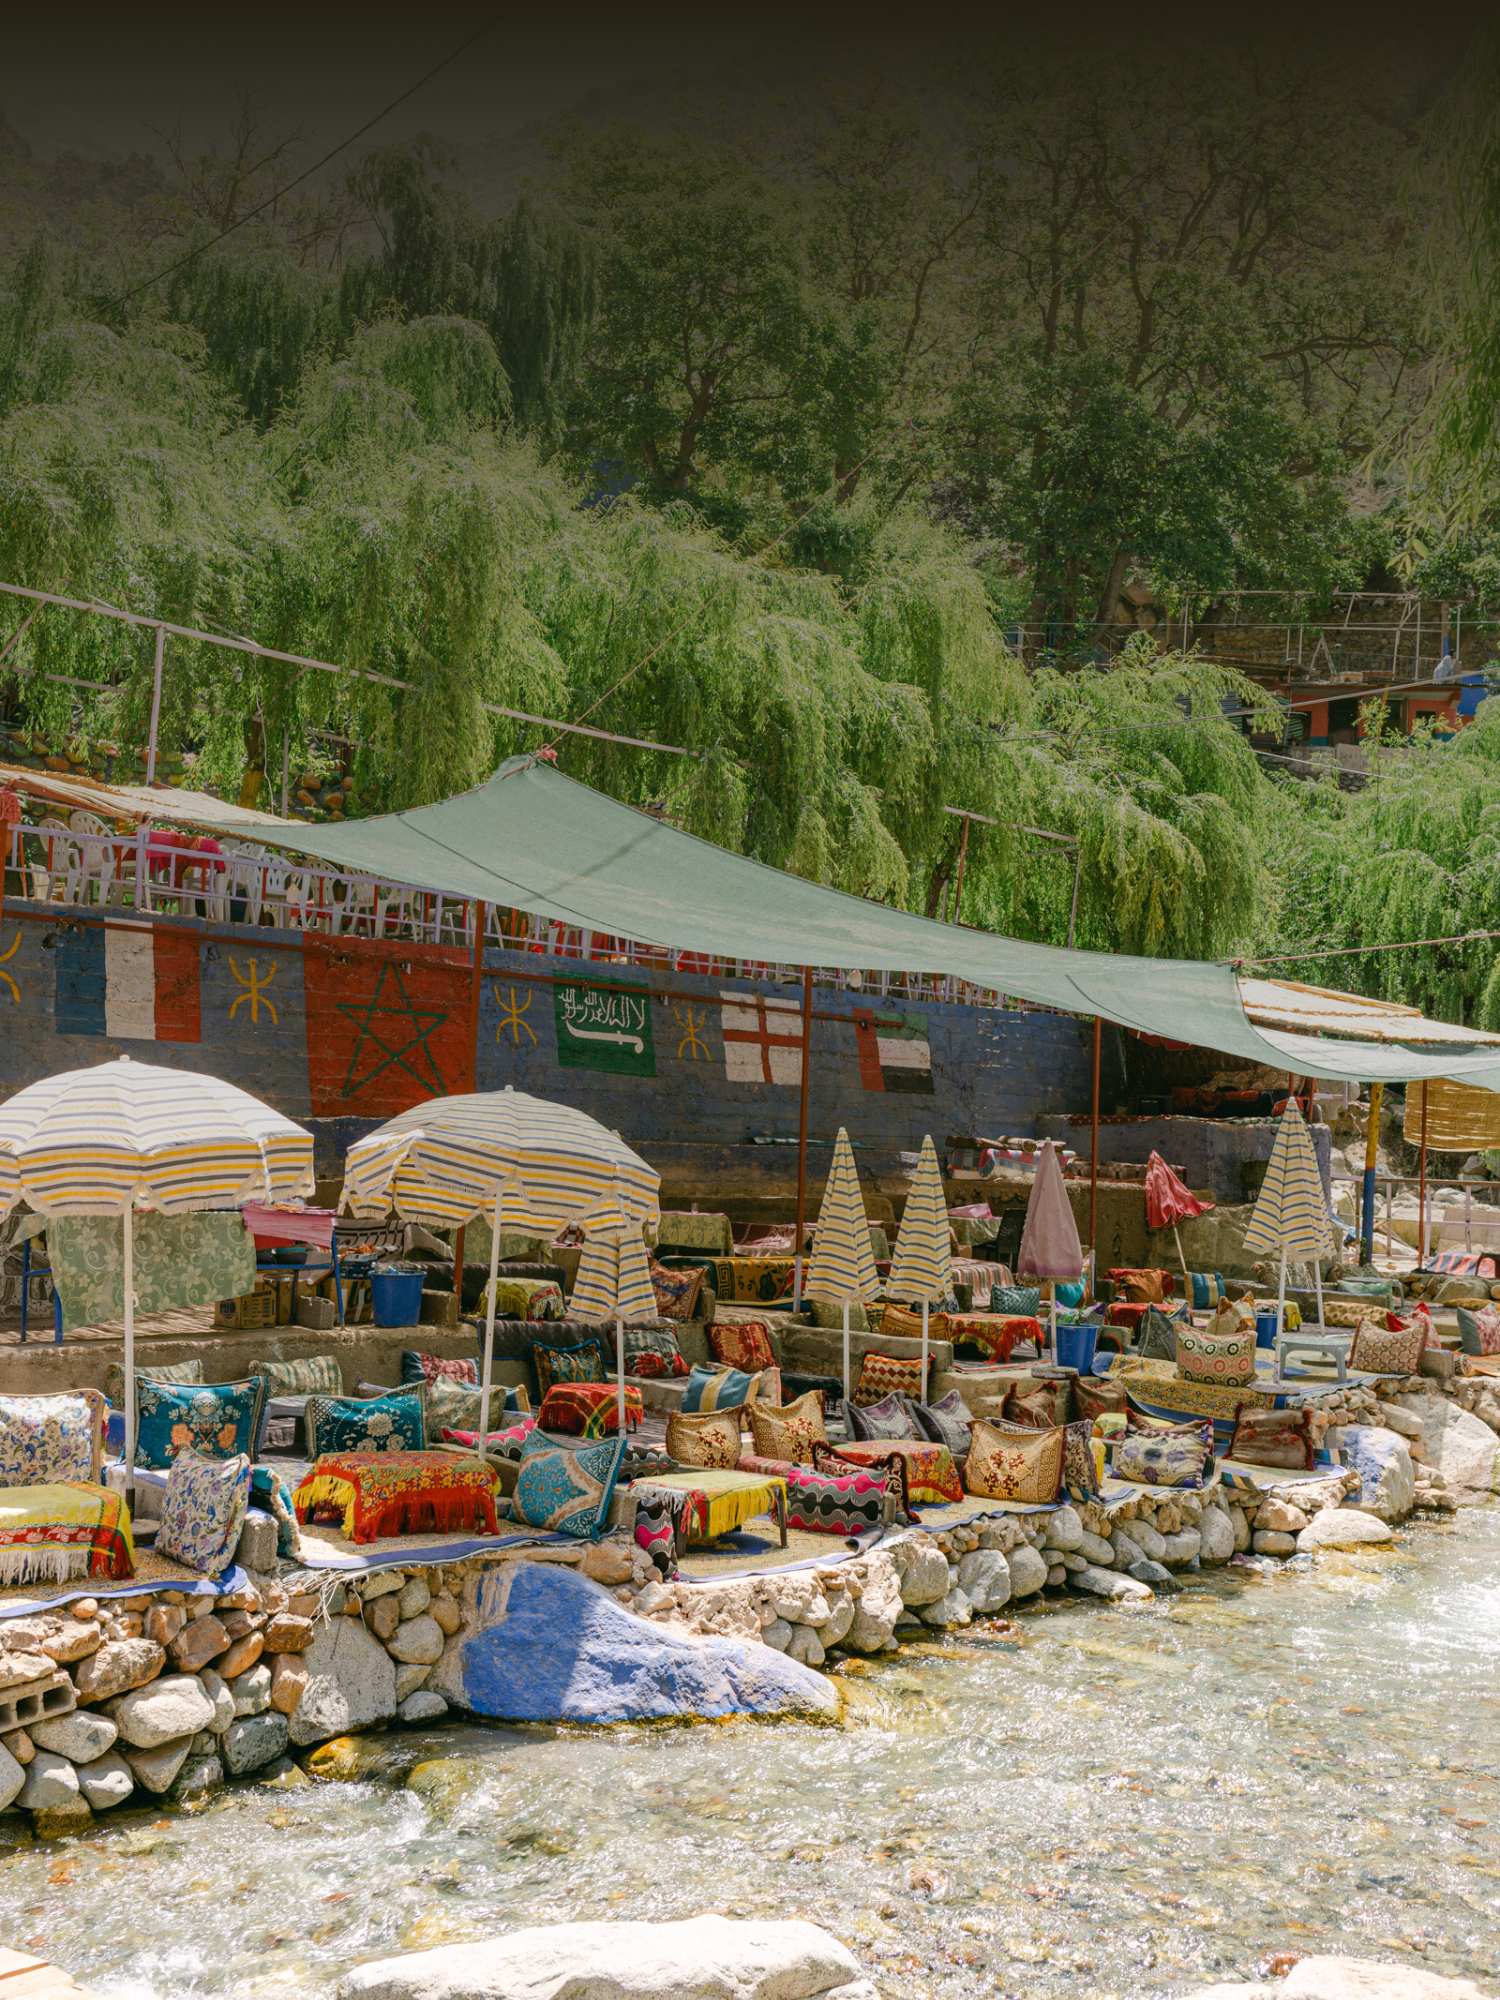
x=123 y=1135
x=529 y=1164
x=1291 y=1211
x=614 y=1282
x=922 y=1267
x=843 y=1265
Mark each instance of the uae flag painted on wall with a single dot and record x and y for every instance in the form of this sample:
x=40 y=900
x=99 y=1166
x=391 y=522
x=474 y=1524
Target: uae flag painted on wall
x=894 y=1053
x=387 y=1026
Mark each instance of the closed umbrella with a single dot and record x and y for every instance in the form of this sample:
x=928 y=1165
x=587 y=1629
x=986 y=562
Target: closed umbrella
x=1049 y=1238
x=1291 y=1211
x=843 y=1264
x=1168 y=1202
x=614 y=1282
x=528 y=1163
x=922 y=1267
x=124 y=1134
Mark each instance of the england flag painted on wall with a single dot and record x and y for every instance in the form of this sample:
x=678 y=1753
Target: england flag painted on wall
x=130 y=982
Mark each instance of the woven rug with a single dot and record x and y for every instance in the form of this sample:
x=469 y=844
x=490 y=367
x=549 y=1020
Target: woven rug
x=152 y=1572
x=756 y=1547
x=325 y=1546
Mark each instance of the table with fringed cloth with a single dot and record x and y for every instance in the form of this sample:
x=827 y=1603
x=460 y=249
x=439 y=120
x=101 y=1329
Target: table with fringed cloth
x=719 y=1500
x=62 y=1531
x=995 y=1333
x=390 y=1493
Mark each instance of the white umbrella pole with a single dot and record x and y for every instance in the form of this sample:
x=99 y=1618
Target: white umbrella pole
x=1318 y=1285
x=1052 y=1319
x=1281 y=1296
x=620 y=1367
x=489 y=1329
x=924 y=1350
x=129 y=1230
x=846 y=1350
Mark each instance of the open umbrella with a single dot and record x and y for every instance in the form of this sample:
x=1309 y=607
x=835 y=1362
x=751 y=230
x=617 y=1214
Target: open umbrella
x=1168 y=1202
x=843 y=1264
x=1291 y=1211
x=614 y=1282
x=922 y=1267
x=1049 y=1238
x=529 y=1163
x=122 y=1135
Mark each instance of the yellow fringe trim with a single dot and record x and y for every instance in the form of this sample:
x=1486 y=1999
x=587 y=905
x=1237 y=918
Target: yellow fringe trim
x=338 y=1492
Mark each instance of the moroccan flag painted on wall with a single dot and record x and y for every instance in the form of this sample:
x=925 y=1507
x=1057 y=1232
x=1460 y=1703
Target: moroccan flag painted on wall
x=387 y=1026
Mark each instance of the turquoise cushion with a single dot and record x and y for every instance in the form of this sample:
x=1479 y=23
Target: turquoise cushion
x=384 y=1423
x=214 y=1419
x=733 y=1388
x=567 y=1492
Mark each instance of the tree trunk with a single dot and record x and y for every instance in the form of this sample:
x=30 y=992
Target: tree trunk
x=1109 y=597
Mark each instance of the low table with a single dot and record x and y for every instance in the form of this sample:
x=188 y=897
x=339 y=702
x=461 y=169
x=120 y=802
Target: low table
x=722 y=1499
x=1327 y=1346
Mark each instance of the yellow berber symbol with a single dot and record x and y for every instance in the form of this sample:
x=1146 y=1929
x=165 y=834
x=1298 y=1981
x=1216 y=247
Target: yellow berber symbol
x=4 y=955
x=255 y=992
x=511 y=1017
x=695 y=1047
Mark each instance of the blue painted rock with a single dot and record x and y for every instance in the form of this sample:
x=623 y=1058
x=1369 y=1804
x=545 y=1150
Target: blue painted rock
x=553 y=1647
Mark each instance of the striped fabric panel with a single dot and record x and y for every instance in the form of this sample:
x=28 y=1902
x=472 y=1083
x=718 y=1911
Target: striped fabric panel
x=843 y=1266
x=922 y=1267
x=614 y=1281
x=84 y=1142
x=1291 y=1213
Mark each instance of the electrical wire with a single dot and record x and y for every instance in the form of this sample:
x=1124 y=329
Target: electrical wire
x=1359 y=950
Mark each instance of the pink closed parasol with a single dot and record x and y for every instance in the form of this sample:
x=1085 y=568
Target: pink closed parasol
x=1168 y=1202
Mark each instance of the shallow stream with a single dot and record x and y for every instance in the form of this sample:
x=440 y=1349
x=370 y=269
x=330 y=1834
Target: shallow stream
x=1089 y=1802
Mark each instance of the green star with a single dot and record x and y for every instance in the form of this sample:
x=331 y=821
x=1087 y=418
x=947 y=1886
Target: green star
x=364 y=1020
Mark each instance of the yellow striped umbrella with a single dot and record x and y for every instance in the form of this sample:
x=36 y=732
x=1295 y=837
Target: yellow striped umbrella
x=614 y=1282
x=532 y=1165
x=1291 y=1211
x=843 y=1265
x=922 y=1267
x=123 y=1134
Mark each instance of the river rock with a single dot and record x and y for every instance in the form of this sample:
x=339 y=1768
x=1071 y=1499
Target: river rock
x=1382 y=1461
x=74 y=1639
x=1181 y=1548
x=289 y=1681
x=423 y=1706
x=221 y=1698
x=1155 y=1577
x=1402 y=1422
x=548 y=1645
x=1277 y=1517
x=1240 y=1528
x=50 y=1781
x=806 y=1646
x=923 y=1569
x=383 y=1616
x=1460 y=1446
x=118 y=1665
x=449 y=1616
x=984 y=1578
x=254 y=1740
x=950 y=1610
x=1216 y=1536
x=12 y=1777
x=199 y=1776
x=286 y=1634
x=1096 y=1549
x=380 y=1583
x=251 y=1692
x=242 y=1656
x=20 y=1669
x=703 y=1956
x=840 y=1617
x=878 y=1608
x=1028 y=1573
x=1358 y=1979
x=408 y=1679
x=1065 y=1530
x=57 y=1822
x=419 y=1641
x=107 y=1782
x=1274 y=1542
x=1107 y=1583
x=1126 y=1549
x=80 y=1737
x=199 y=1641
x=1150 y=1542
x=778 y=1634
x=176 y=1706
x=351 y=1682
x=1341 y=1528
x=414 y=1597
x=164 y=1622
x=157 y=1767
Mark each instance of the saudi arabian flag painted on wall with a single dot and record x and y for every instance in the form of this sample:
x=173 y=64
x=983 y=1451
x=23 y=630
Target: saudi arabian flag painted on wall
x=601 y=1027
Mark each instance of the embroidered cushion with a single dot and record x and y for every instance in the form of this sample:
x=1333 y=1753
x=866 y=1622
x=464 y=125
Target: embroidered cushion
x=1273 y=1437
x=526 y=1298
x=1165 y=1457
x=1386 y=1350
x=581 y=1363
x=652 y=1351
x=314 y=1375
x=48 y=1440
x=1093 y=1396
x=676 y=1291
x=710 y=1439
x=386 y=1423
x=170 y=1371
x=1479 y=1332
x=719 y=1389
x=789 y=1433
x=1141 y=1288
x=203 y=1511
x=588 y=1409
x=455 y=1403
x=746 y=1346
x=1014 y=1463
x=947 y=1421
x=880 y=1374
x=1080 y=1468
x=1017 y=1301
x=891 y=1417
x=215 y=1419
x=826 y=1313
x=567 y=1492
x=1226 y=1359
x=500 y=1444
x=436 y=1367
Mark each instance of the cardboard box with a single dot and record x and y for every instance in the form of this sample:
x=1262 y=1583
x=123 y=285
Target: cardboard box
x=254 y=1309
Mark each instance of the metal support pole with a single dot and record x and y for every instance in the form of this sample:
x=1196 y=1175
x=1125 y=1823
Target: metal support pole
x=1422 y=1191
x=161 y=647
x=1094 y=1170
x=1367 y=1203
x=802 y=1138
x=476 y=983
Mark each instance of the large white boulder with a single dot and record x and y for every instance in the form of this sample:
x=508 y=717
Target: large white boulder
x=878 y=1608
x=1381 y=1457
x=1342 y=1528
x=351 y=1682
x=1460 y=1446
x=1349 y=1979
x=1028 y=1572
x=984 y=1578
x=1216 y=1535
x=703 y=1958
x=922 y=1568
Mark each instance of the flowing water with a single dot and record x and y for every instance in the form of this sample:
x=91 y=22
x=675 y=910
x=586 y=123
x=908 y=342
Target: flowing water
x=1088 y=1802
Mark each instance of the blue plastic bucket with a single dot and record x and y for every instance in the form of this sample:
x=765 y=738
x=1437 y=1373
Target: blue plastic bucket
x=397 y=1300
x=1075 y=1347
x=1265 y=1329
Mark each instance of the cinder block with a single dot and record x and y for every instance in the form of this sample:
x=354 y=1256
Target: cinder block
x=37 y=1701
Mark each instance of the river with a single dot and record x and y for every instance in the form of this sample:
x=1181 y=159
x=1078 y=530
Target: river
x=1088 y=1802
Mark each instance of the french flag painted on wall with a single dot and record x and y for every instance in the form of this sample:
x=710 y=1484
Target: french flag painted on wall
x=132 y=984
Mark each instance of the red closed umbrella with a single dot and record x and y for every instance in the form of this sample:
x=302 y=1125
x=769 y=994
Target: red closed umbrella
x=1168 y=1202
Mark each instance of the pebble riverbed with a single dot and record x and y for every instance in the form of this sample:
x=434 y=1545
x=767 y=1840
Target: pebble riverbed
x=1086 y=1801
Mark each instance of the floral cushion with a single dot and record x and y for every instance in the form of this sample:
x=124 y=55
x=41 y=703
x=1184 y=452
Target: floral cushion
x=500 y=1444
x=1273 y=1437
x=1387 y=1350
x=880 y=1374
x=652 y=1351
x=746 y=1346
x=386 y=1423
x=1014 y=1464
x=788 y=1434
x=947 y=1421
x=167 y=1371
x=47 y=1440
x=1080 y=1468
x=417 y=1367
x=710 y=1439
x=313 y=1375
x=1165 y=1457
x=721 y=1389
x=567 y=1492
x=676 y=1291
x=1227 y=1359
x=203 y=1511
x=214 y=1419
x=1479 y=1332
x=891 y=1417
x=583 y=1362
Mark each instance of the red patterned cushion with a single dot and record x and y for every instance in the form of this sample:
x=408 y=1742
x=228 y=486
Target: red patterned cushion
x=1393 y=1349
x=746 y=1346
x=507 y=1443
x=587 y=1409
x=884 y=1374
